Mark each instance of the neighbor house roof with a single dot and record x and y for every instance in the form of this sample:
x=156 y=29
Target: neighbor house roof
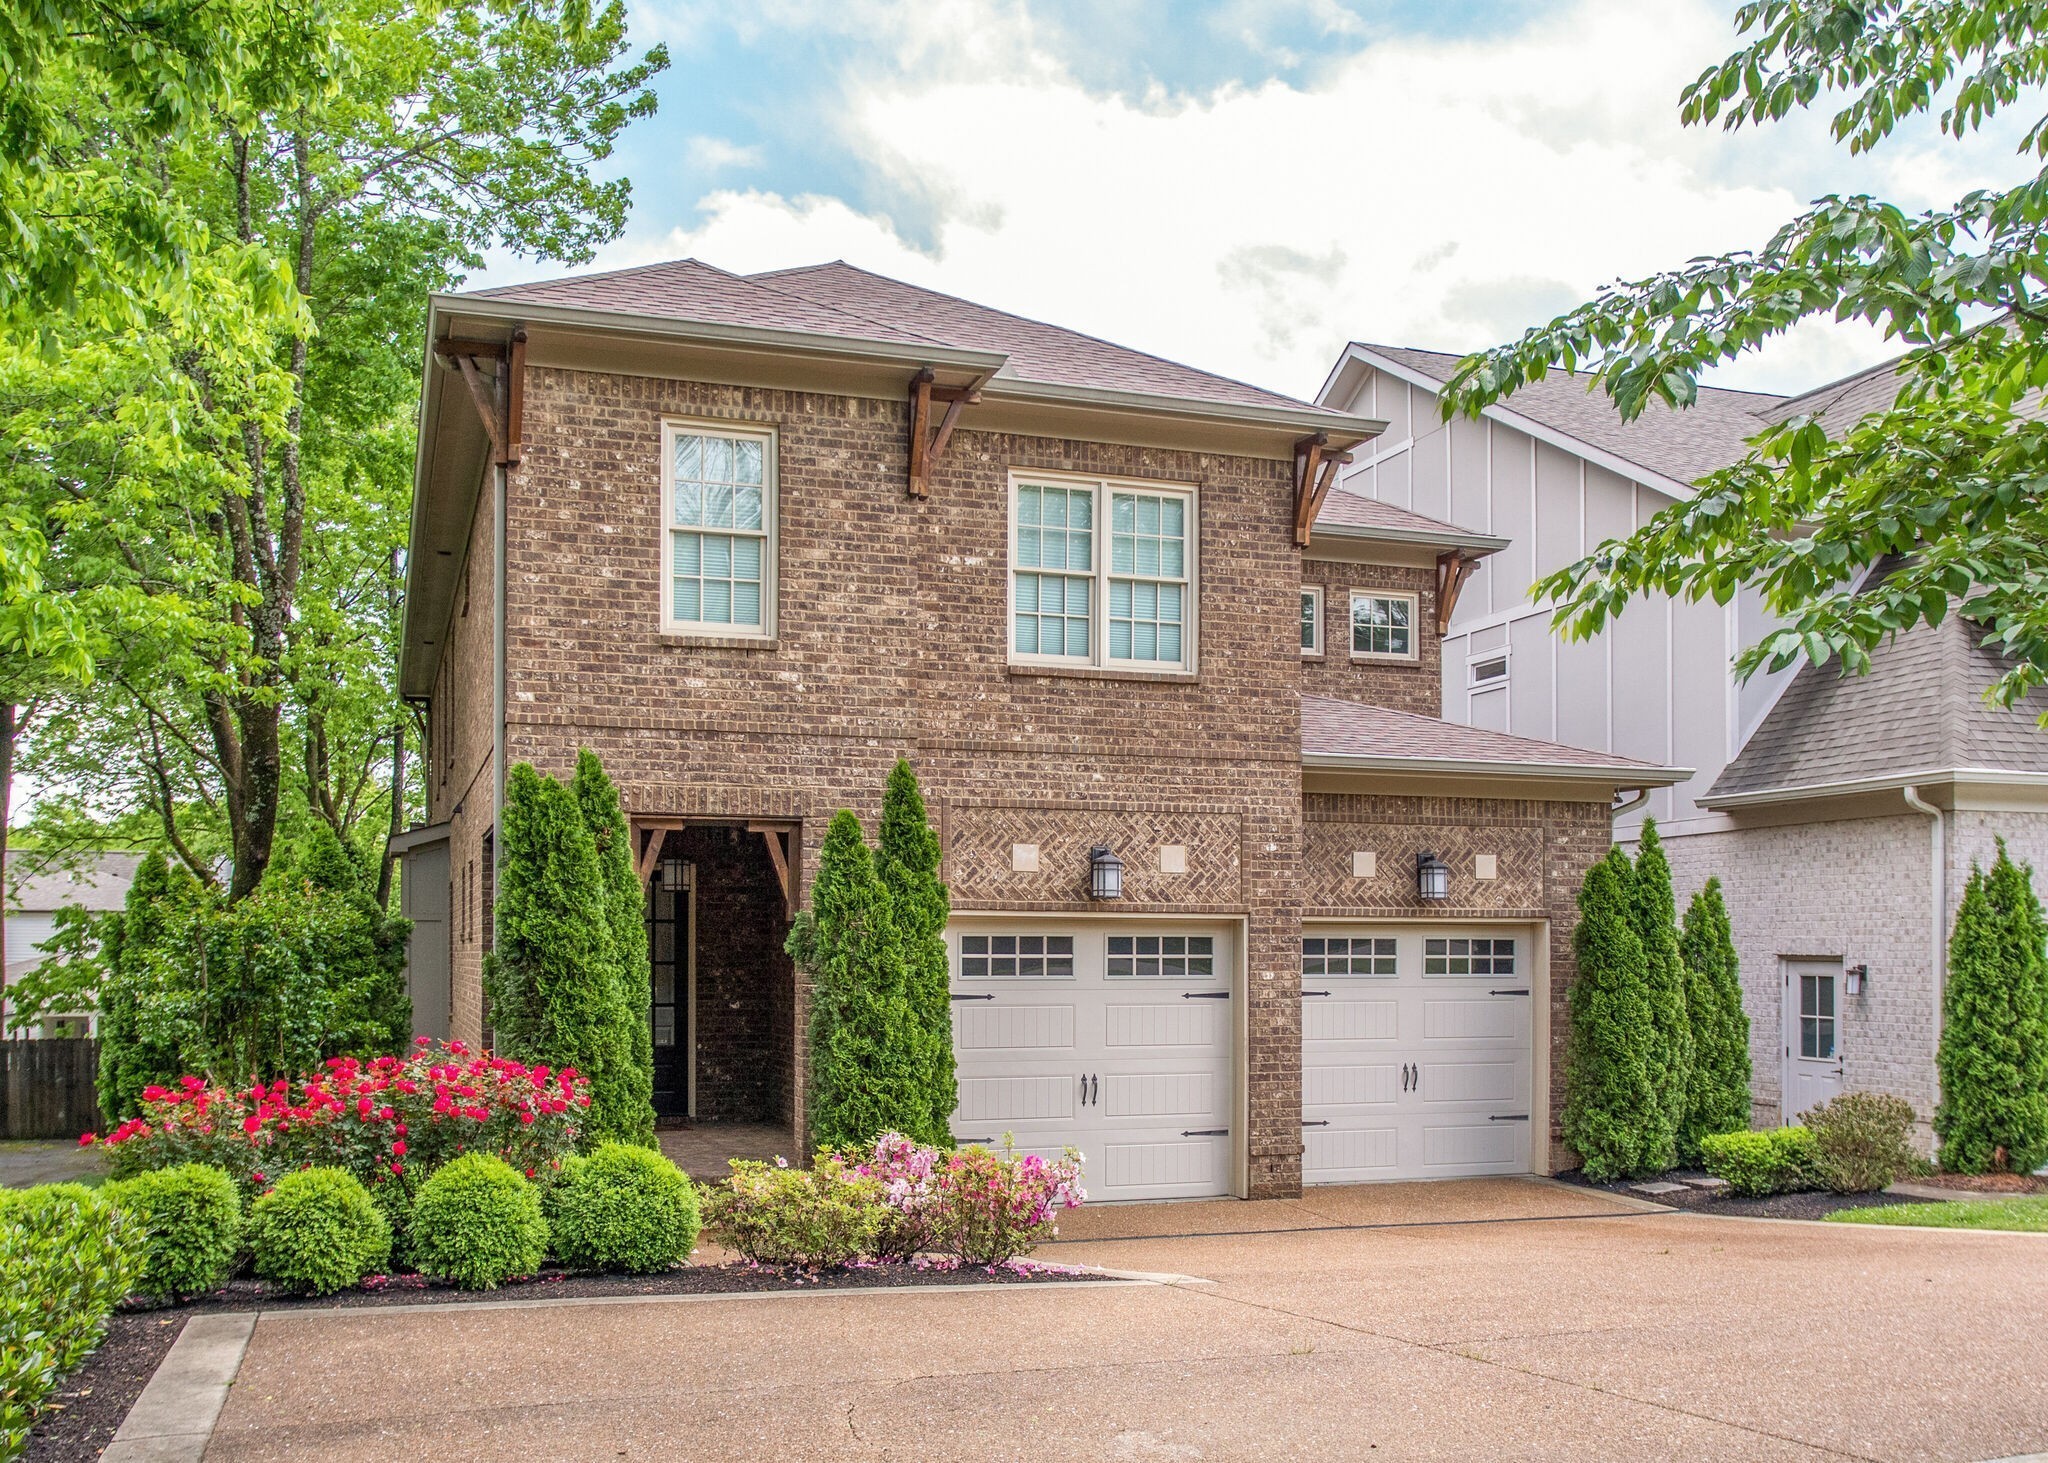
x=100 y=882
x=1683 y=445
x=1918 y=715
x=1346 y=514
x=1347 y=734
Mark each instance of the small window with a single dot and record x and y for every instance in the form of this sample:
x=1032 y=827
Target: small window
x=1468 y=957
x=718 y=490
x=1161 y=957
x=1311 y=620
x=1489 y=670
x=1817 y=1017
x=1383 y=626
x=1016 y=957
x=1339 y=955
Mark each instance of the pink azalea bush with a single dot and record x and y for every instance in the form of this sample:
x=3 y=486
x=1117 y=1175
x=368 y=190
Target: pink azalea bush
x=390 y=1121
x=985 y=1207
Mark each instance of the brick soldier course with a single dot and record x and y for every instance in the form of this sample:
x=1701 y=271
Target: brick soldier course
x=891 y=636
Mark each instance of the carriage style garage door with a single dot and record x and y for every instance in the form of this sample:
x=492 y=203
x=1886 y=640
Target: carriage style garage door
x=1114 y=1037
x=1415 y=1051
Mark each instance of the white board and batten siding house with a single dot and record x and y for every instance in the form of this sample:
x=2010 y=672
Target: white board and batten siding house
x=1841 y=815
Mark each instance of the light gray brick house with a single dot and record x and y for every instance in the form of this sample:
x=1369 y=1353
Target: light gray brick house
x=1841 y=814
x=752 y=538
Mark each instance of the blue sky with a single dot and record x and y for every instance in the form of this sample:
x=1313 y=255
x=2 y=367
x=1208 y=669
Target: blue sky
x=1240 y=185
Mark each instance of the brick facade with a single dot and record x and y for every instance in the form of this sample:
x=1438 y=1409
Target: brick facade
x=1401 y=686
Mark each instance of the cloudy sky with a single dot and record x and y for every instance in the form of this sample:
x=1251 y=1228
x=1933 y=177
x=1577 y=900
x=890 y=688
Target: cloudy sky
x=1239 y=184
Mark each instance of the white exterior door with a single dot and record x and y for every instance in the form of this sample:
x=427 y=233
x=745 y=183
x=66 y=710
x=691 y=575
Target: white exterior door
x=1415 y=1051
x=1113 y=1037
x=1813 y=1034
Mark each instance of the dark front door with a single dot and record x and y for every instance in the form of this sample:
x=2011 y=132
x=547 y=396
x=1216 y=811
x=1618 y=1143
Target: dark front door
x=670 y=945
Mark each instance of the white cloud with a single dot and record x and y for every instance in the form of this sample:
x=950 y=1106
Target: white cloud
x=1441 y=193
x=715 y=154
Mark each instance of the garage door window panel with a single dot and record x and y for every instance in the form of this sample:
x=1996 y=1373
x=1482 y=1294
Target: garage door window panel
x=1016 y=957
x=1450 y=957
x=1161 y=957
x=1349 y=956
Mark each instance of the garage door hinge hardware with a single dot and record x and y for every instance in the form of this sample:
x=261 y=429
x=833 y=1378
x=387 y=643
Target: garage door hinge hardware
x=1515 y=991
x=988 y=997
x=1205 y=1132
x=974 y=1140
x=1508 y=1117
x=1205 y=995
x=1315 y=993
x=1315 y=1122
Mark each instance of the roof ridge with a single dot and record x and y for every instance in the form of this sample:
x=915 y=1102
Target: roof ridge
x=837 y=309
x=1423 y=350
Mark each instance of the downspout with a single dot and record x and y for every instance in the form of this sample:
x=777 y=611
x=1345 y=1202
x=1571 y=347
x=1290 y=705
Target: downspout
x=499 y=536
x=1939 y=889
x=1642 y=796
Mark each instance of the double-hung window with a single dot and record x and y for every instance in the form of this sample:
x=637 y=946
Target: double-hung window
x=718 y=534
x=1102 y=574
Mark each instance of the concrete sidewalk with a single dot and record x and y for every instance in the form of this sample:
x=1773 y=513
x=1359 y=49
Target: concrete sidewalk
x=1618 y=1334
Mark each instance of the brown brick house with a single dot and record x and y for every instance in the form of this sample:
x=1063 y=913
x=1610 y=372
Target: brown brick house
x=752 y=538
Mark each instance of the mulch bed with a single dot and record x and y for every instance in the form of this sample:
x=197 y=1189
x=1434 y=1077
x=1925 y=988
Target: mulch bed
x=1817 y=1205
x=553 y=1284
x=81 y=1419
x=1987 y=1183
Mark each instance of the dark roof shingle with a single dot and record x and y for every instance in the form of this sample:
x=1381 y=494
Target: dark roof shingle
x=1334 y=728
x=1344 y=509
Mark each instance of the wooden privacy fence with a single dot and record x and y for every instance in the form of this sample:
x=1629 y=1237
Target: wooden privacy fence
x=46 y=1087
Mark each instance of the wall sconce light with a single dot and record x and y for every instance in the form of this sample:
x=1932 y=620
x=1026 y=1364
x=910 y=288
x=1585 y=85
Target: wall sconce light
x=1432 y=878
x=1854 y=979
x=1105 y=873
x=673 y=872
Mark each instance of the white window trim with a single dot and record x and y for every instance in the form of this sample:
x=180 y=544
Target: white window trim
x=1098 y=656
x=770 y=527
x=1315 y=651
x=1414 y=625
x=1478 y=658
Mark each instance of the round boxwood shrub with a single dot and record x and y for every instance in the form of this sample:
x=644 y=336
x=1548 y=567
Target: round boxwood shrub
x=318 y=1231
x=190 y=1217
x=624 y=1207
x=477 y=1222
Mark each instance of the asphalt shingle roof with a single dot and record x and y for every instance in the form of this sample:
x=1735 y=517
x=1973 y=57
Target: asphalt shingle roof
x=1334 y=728
x=100 y=884
x=1683 y=445
x=1346 y=509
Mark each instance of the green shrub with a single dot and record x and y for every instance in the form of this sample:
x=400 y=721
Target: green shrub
x=67 y=1258
x=477 y=1223
x=1860 y=1141
x=318 y=1232
x=1669 y=1056
x=625 y=913
x=907 y=860
x=1718 y=1099
x=190 y=1220
x=773 y=1214
x=1993 y=1057
x=394 y=1202
x=623 y=1207
x=1757 y=1164
x=1612 y=1118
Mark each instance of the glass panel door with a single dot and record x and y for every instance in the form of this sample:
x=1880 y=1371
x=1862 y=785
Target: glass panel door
x=669 y=949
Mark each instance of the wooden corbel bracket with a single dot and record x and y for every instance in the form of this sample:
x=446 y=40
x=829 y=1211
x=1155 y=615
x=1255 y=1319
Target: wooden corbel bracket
x=500 y=400
x=780 y=839
x=1453 y=568
x=1315 y=472
x=928 y=443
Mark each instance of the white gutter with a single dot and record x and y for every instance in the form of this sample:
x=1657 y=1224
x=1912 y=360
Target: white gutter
x=1480 y=544
x=1888 y=782
x=1633 y=774
x=1939 y=931
x=1642 y=796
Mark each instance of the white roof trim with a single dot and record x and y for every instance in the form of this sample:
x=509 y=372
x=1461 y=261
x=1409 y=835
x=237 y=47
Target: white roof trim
x=1883 y=782
x=1619 y=774
x=1456 y=538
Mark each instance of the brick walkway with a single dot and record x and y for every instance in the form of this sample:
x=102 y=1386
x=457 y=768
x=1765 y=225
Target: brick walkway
x=702 y=1149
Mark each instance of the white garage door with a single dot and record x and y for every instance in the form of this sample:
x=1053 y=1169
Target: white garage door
x=1415 y=1051
x=1114 y=1038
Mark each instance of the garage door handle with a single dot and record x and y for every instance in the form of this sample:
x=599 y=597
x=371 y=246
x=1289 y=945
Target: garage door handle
x=988 y=997
x=1205 y=995
x=1315 y=1122
x=1517 y=991
x=1095 y=1092
x=1315 y=993
x=1508 y=1117
x=1205 y=1132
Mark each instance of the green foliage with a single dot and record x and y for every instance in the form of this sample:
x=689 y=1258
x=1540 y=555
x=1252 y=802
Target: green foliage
x=622 y=1207
x=477 y=1223
x=625 y=909
x=1759 y=1164
x=2024 y=1215
x=553 y=983
x=67 y=1258
x=1947 y=472
x=1718 y=1099
x=1612 y=1117
x=907 y=859
x=318 y=1231
x=1993 y=1058
x=190 y=1221
x=828 y=1214
x=1860 y=1141
x=868 y=1075
x=1670 y=1057
x=267 y=987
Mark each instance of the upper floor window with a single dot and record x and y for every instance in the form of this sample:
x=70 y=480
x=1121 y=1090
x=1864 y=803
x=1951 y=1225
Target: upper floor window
x=718 y=512
x=1311 y=620
x=1382 y=626
x=1102 y=573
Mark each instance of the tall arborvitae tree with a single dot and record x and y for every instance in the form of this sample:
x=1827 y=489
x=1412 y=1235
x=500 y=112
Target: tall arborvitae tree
x=625 y=913
x=1654 y=914
x=1993 y=1058
x=865 y=1076
x=907 y=857
x=128 y=1062
x=1718 y=1099
x=1612 y=1115
x=553 y=983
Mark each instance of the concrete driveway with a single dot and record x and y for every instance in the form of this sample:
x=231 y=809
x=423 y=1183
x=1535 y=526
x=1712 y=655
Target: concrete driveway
x=1493 y=1319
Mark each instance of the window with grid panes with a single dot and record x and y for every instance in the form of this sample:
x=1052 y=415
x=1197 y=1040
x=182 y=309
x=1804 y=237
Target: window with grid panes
x=719 y=487
x=1383 y=625
x=1102 y=574
x=1468 y=957
x=1347 y=955
x=1160 y=957
x=1016 y=957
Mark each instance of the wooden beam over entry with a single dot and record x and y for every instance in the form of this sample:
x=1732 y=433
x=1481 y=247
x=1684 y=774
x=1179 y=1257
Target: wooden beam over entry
x=781 y=841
